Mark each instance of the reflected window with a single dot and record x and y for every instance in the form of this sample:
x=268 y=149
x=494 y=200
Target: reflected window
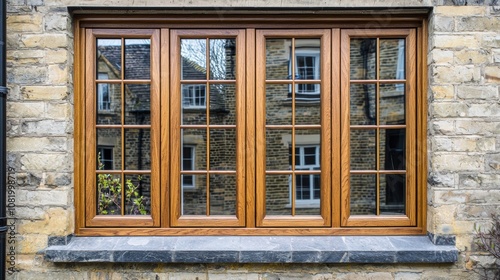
x=307 y=67
x=193 y=96
x=103 y=96
x=106 y=157
x=188 y=164
x=307 y=187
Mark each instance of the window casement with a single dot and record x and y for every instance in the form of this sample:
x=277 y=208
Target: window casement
x=249 y=129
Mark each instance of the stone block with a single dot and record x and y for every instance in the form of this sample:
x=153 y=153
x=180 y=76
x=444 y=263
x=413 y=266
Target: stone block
x=42 y=198
x=493 y=162
x=32 y=243
x=492 y=74
x=439 y=56
x=58 y=74
x=479 y=181
x=46 y=162
x=43 y=41
x=459 y=41
x=56 y=222
x=490 y=40
x=478 y=24
x=30 y=144
x=460 y=10
x=25 y=109
x=496 y=55
x=44 y=92
x=442 y=126
x=443 y=92
x=472 y=57
x=457 y=162
x=44 y=127
x=58 y=111
x=477 y=92
x=27 y=75
x=56 y=56
x=25 y=23
x=464 y=144
x=477 y=127
x=56 y=22
x=177 y=275
x=448 y=109
x=456 y=74
x=483 y=110
x=25 y=57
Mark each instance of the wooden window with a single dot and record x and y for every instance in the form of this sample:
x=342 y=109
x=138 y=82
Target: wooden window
x=262 y=129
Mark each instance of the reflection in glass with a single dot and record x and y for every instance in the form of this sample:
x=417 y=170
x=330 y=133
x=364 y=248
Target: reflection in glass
x=363 y=149
x=363 y=59
x=109 y=195
x=108 y=103
x=195 y=138
x=307 y=186
x=109 y=58
x=363 y=194
x=137 y=59
x=194 y=96
x=277 y=149
x=137 y=149
x=363 y=104
x=138 y=194
x=109 y=146
x=392 y=149
x=222 y=149
x=278 y=197
x=222 y=59
x=222 y=194
x=194 y=198
x=392 y=104
x=222 y=104
x=137 y=104
x=392 y=194
x=305 y=112
x=278 y=59
x=392 y=59
x=188 y=159
x=278 y=108
x=194 y=59
x=307 y=61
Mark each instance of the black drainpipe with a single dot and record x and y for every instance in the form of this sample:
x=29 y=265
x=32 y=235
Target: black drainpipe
x=3 y=147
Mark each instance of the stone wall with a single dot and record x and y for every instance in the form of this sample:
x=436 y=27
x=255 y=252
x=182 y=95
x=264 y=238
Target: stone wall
x=463 y=137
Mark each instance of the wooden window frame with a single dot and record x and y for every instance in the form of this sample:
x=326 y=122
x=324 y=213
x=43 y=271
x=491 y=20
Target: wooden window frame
x=164 y=217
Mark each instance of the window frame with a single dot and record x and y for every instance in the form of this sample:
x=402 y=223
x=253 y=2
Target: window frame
x=85 y=23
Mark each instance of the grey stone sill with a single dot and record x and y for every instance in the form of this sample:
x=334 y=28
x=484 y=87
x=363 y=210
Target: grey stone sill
x=253 y=249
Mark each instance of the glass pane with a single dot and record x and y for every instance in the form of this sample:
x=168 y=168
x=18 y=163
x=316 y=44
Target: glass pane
x=137 y=194
x=363 y=194
x=277 y=149
x=137 y=104
x=222 y=104
x=109 y=194
x=363 y=149
x=109 y=58
x=109 y=147
x=194 y=104
x=392 y=149
x=307 y=106
x=108 y=103
x=222 y=149
x=363 y=104
x=222 y=194
x=392 y=194
x=137 y=59
x=194 y=59
x=392 y=104
x=278 y=105
x=392 y=59
x=307 y=194
x=278 y=199
x=278 y=64
x=222 y=59
x=194 y=198
x=137 y=149
x=197 y=140
x=363 y=59
x=307 y=59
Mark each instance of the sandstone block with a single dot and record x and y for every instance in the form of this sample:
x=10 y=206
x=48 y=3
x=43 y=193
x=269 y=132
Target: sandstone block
x=477 y=92
x=58 y=111
x=477 y=127
x=478 y=24
x=58 y=74
x=443 y=126
x=461 y=144
x=443 y=23
x=457 y=162
x=472 y=57
x=455 y=74
x=43 y=41
x=460 y=10
x=32 y=243
x=443 y=92
x=56 y=22
x=56 y=56
x=492 y=74
x=46 y=162
x=456 y=41
x=25 y=109
x=444 y=110
x=25 y=23
x=44 y=127
x=439 y=56
x=44 y=197
x=23 y=57
x=56 y=222
x=27 y=144
x=45 y=92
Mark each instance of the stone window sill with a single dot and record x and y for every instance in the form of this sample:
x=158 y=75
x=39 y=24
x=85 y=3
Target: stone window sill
x=251 y=249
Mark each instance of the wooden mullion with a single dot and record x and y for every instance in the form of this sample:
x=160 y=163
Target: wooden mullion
x=250 y=129
x=335 y=128
x=294 y=179
x=377 y=132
